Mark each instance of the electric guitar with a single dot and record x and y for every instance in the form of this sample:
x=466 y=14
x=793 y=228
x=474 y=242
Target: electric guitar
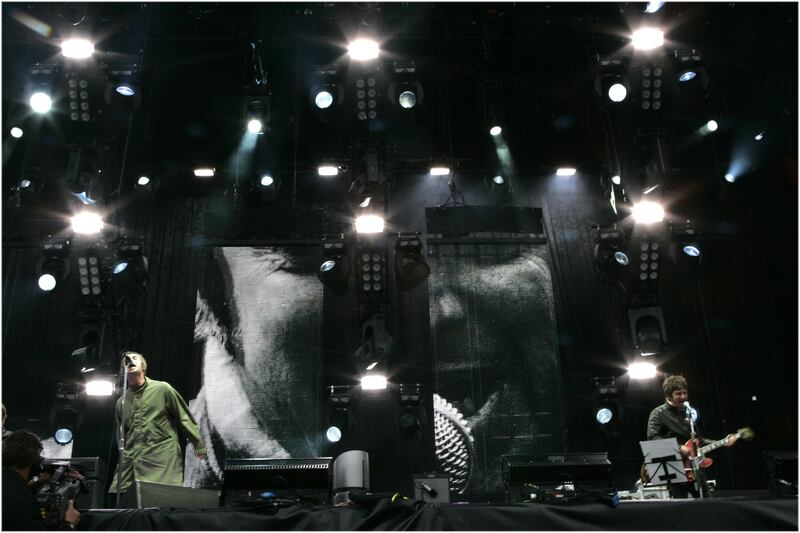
x=699 y=459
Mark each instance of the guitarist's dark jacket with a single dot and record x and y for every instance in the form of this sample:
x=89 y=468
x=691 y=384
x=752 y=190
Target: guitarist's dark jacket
x=666 y=422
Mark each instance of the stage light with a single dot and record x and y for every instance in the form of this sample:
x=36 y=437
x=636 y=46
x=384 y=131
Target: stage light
x=407 y=99
x=89 y=270
x=266 y=180
x=64 y=417
x=333 y=434
x=363 y=50
x=99 y=387
x=647 y=213
x=604 y=415
x=373 y=382
x=142 y=181
x=498 y=180
x=566 y=171
x=77 y=48
x=323 y=99
x=334 y=272
x=41 y=102
x=125 y=89
x=254 y=126
x=648 y=38
x=53 y=267
x=16 y=132
x=642 y=370
x=328 y=170
x=410 y=267
x=369 y=224
x=131 y=271
x=617 y=92
x=692 y=250
x=87 y=223
x=652 y=7
x=47 y=282
x=204 y=172
x=440 y=171
x=730 y=178
x=62 y=436
x=494 y=131
x=712 y=125
x=687 y=75
x=758 y=136
x=621 y=258
x=616 y=179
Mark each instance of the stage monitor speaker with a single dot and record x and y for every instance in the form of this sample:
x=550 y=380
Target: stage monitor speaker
x=586 y=470
x=432 y=487
x=145 y=494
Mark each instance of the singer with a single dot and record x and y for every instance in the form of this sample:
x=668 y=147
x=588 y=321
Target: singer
x=671 y=418
x=153 y=414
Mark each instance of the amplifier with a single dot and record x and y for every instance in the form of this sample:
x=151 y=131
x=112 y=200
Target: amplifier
x=591 y=470
x=146 y=494
x=302 y=476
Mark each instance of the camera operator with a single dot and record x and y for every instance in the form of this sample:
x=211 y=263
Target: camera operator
x=21 y=461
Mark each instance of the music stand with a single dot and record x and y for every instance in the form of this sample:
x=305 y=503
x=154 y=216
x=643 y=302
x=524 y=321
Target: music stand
x=663 y=462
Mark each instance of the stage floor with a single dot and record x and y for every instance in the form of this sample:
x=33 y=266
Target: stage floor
x=721 y=513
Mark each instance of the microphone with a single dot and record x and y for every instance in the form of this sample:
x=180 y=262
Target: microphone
x=430 y=490
x=688 y=408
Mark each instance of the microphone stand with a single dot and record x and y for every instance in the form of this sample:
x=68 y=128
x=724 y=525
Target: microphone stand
x=121 y=442
x=694 y=461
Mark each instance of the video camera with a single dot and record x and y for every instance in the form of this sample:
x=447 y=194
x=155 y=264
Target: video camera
x=55 y=495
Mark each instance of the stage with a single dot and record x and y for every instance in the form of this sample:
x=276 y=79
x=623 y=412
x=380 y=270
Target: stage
x=723 y=513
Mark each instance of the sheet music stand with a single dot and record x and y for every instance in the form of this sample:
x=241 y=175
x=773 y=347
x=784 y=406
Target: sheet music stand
x=663 y=462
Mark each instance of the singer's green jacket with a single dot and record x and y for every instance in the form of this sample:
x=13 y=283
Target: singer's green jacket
x=154 y=414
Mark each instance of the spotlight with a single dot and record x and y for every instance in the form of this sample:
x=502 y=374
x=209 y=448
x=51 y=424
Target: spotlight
x=406 y=91
x=410 y=419
x=617 y=92
x=498 y=180
x=87 y=223
x=341 y=417
x=267 y=187
x=647 y=213
x=143 y=181
x=610 y=257
x=254 y=126
x=53 y=267
x=652 y=7
x=407 y=99
x=125 y=89
x=64 y=419
x=604 y=415
x=712 y=125
x=323 y=99
x=77 y=48
x=334 y=272
x=328 y=170
x=607 y=405
x=692 y=250
x=566 y=171
x=616 y=179
x=648 y=38
x=373 y=382
x=647 y=330
x=130 y=273
x=363 y=50
x=16 y=132
x=758 y=136
x=642 y=370
x=146 y=185
x=494 y=131
x=266 y=180
x=687 y=75
x=41 y=102
x=410 y=267
x=499 y=189
x=730 y=178
x=440 y=171
x=369 y=224
x=689 y=66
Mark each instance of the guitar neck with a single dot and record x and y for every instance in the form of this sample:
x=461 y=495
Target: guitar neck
x=713 y=446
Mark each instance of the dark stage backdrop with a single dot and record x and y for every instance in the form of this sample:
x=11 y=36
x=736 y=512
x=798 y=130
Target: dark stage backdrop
x=258 y=329
x=495 y=353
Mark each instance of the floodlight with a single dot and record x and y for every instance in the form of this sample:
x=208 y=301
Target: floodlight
x=616 y=179
x=566 y=171
x=648 y=38
x=712 y=125
x=652 y=7
x=125 y=89
x=77 y=48
x=758 y=136
x=204 y=172
x=142 y=181
x=687 y=75
x=328 y=170
x=41 y=102
x=369 y=224
x=494 y=131
x=730 y=178
x=87 y=223
x=266 y=180
x=363 y=49
x=621 y=258
x=333 y=434
x=642 y=371
x=16 y=132
x=692 y=250
x=53 y=267
x=440 y=171
x=99 y=387
x=334 y=272
x=647 y=213
x=373 y=382
x=604 y=415
x=498 y=180
x=130 y=273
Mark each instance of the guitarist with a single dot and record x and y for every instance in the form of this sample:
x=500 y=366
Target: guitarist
x=671 y=420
